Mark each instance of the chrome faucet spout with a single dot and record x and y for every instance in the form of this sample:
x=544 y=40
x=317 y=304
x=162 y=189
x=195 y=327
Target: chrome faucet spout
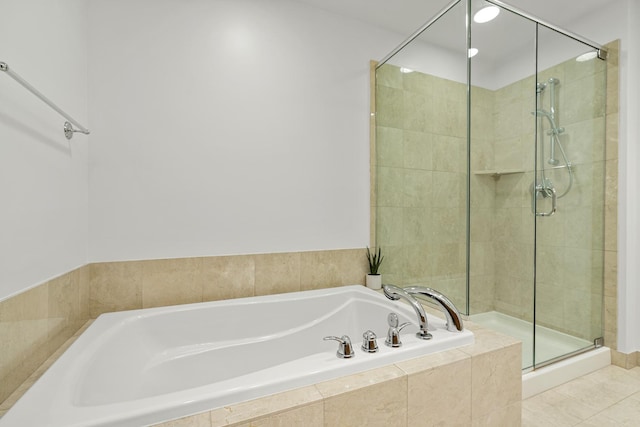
x=454 y=319
x=394 y=293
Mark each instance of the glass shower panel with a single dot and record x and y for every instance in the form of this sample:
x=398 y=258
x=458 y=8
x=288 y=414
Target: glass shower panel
x=569 y=194
x=502 y=165
x=421 y=159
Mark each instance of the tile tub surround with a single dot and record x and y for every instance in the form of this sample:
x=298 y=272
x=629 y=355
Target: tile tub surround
x=130 y=285
x=36 y=322
x=13 y=398
x=476 y=385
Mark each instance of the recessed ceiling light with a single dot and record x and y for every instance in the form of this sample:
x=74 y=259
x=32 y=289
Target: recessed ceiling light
x=486 y=14
x=473 y=52
x=406 y=70
x=587 y=56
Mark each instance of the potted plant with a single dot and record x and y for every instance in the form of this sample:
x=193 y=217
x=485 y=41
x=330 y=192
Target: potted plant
x=374 y=279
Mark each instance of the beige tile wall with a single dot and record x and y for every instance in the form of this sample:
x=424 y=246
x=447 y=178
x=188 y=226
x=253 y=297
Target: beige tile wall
x=512 y=220
x=420 y=170
x=41 y=369
x=625 y=360
x=611 y=203
x=142 y=284
x=484 y=198
x=35 y=323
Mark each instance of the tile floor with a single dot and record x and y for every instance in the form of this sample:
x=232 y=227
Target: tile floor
x=607 y=397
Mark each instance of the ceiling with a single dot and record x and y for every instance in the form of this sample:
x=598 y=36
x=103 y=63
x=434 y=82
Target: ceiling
x=507 y=41
x=405 y=16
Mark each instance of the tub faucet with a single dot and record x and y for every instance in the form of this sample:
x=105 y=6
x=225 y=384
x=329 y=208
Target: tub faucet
x=454 y=319
x=394 y=293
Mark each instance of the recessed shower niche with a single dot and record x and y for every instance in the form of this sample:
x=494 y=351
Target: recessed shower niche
x=490 y=174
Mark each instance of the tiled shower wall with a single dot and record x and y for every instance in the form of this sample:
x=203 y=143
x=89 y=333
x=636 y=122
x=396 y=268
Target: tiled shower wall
x=35 y=323
x=421 y=180
x=421 y=173
x=611 y=212
x=423 y=234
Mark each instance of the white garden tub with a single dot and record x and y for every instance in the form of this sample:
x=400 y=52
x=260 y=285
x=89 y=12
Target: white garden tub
x=142 y=367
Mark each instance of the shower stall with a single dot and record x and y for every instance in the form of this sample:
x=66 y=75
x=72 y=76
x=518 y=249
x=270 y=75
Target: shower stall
x=489 y=157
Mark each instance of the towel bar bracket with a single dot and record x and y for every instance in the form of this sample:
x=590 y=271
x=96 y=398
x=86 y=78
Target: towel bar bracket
x=69 y=130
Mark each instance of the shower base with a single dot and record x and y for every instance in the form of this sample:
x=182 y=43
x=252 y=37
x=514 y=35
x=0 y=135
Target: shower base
x=550 y=345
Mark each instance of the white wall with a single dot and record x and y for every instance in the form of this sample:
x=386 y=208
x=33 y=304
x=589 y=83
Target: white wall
x=629 y=202
x=43 y=177
x=228 y=127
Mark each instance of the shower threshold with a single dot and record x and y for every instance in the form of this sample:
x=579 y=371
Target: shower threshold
x=550 y=346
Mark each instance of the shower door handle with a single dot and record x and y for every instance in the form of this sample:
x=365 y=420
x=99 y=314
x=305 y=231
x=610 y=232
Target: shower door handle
x=554 y=199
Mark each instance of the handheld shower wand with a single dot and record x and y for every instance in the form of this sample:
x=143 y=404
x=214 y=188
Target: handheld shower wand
x=553 y=133
x=544 y=186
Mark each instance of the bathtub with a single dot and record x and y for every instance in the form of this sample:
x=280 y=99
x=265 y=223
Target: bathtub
x=147 y=366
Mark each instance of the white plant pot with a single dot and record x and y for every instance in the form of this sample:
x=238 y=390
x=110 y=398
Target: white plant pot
x=374 y=281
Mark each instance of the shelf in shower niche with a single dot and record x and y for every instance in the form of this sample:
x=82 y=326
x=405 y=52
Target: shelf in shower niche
x=498 y=173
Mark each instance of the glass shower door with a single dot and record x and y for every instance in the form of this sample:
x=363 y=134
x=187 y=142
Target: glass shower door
x=502 y=169
x=567 y=195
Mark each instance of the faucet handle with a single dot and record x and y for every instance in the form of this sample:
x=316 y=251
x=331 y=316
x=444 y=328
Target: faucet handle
x=369 y=343
x=345 y=349
x=393 y=321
